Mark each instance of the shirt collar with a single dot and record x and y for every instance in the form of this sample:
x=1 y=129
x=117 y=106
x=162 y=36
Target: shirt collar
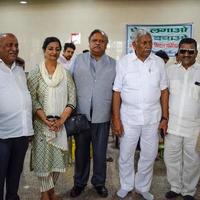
x=103 y=58
x=64 y=59
x=194 y=66
x=13 y=66
x=5 y=67
x=134 y=56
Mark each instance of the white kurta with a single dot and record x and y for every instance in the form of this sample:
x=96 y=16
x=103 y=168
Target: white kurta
x=15 y=103
x=140 y=84
x=181 y=158
x=184 y=101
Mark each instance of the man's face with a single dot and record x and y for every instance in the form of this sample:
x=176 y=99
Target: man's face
x=187 y=54
x=97 y=45
x=68 y=53
x=143 y=46
x=8 y=49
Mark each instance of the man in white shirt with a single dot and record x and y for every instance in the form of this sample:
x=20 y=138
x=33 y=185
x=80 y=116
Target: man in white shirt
x=15 y=117
x=140 y=107
x=67 y=58
x=181 y=158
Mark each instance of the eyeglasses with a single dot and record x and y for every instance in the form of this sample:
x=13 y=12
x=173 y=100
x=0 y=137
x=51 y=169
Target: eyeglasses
x=189 y=51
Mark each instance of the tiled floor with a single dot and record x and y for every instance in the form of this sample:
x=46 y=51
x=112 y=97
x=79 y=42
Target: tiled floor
x=29 y=189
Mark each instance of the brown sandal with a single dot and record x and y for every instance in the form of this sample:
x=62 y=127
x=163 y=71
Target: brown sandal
x=44 y=196
x=52 y=195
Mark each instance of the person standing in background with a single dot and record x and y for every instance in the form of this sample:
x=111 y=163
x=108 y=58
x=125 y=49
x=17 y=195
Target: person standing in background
x=162 y=54
x=15 y=117
x=67 y=58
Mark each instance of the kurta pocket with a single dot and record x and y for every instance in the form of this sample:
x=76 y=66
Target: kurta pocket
x=194 y=92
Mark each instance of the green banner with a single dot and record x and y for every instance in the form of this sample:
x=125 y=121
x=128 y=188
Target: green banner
x=165 y=37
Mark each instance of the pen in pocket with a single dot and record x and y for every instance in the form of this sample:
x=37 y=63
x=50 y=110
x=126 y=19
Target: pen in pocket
x=197 y=83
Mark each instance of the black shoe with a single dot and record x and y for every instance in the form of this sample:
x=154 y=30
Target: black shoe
x=188 y=197
x=171 y=195
x=76 y=191
x=102 y=191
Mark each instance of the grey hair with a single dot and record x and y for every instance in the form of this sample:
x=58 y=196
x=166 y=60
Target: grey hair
x=138 y=33
x=98 y=31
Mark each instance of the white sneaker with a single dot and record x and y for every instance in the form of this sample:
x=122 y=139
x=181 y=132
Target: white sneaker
x=122 y=193
x=146 y=195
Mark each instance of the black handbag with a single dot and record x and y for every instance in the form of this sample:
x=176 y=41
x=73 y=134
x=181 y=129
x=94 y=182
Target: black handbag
x=76 y=124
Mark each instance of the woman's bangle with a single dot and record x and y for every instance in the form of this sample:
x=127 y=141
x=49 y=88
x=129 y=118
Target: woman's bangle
x=71 y=106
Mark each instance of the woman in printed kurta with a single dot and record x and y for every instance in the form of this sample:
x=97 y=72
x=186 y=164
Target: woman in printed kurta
x=53 y=94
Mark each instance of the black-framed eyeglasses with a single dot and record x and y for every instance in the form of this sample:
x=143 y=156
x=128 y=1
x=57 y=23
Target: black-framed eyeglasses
x=189 y=51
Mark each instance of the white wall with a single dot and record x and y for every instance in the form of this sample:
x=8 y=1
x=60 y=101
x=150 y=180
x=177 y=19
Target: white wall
x=33 y=22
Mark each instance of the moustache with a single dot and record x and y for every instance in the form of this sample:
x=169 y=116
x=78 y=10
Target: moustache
x=186 y=57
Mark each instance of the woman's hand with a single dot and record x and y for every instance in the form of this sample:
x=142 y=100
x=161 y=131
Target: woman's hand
x=58 y=123
x=50 y=124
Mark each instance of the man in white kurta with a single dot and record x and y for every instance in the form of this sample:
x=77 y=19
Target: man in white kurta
x=15 y=117
x=181 y=158
x=140 y=85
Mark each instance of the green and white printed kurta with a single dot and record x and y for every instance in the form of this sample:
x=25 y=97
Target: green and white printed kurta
x=46 y=158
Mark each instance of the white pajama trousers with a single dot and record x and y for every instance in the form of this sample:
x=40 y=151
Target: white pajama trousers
x=183 y=164
x=141 y=180
x=48 y=182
